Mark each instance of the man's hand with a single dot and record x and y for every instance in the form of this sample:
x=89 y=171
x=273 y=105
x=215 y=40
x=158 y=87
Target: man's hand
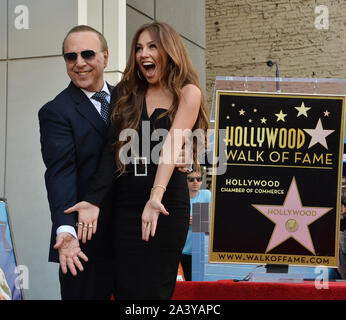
x=87 y=219
x=69 y=253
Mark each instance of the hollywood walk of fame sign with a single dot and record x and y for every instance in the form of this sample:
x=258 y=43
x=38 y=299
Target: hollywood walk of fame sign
x=276 y=200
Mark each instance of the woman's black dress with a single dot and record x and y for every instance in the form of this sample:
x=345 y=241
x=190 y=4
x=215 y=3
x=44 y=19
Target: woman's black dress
x=144 y=270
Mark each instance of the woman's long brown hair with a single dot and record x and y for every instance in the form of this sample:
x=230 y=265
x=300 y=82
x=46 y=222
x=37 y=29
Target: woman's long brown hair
x=132 y=88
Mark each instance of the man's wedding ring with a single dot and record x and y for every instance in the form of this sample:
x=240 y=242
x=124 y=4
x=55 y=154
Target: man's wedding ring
x=84 y=225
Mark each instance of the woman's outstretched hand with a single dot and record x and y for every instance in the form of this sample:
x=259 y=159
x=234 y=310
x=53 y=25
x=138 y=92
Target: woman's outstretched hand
x=87 y=219
x=150 y=215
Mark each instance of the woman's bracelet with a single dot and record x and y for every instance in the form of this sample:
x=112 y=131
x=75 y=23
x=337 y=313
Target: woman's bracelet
x=158 y=186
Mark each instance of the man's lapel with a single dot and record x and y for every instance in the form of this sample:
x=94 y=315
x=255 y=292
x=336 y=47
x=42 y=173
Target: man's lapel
x=85 y=107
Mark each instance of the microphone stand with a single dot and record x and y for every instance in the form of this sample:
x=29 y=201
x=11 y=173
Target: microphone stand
x=277 y=74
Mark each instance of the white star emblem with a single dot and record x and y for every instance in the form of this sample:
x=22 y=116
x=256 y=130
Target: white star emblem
x=281 y=116
x=302 y=110
x=318 y=135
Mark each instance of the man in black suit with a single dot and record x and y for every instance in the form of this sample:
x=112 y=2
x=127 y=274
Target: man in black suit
x=73 y=129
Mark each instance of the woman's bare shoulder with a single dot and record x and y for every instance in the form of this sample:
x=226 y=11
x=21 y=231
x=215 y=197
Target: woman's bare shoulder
x=191 y=92
x=191 y=89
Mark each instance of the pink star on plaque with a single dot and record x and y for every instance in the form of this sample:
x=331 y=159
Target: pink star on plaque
x=291 y=220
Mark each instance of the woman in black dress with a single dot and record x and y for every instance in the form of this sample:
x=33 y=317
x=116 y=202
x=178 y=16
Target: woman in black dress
x=158 y=96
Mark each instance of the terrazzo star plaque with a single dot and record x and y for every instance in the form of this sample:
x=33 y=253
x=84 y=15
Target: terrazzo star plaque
x=291 y=219
x=276 y=191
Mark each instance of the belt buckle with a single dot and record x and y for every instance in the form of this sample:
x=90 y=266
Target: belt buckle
x=141 y=166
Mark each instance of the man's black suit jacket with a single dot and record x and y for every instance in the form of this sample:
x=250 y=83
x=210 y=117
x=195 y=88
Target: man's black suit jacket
x=72 y=138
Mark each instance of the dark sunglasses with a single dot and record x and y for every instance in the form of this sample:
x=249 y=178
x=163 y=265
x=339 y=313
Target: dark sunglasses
x=86 y=54
x=192 y=179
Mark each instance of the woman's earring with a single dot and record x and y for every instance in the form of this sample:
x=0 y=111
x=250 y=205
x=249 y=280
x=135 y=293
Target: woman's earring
x=139 y=75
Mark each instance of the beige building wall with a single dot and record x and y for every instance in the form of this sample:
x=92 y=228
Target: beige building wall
x=242 y=35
